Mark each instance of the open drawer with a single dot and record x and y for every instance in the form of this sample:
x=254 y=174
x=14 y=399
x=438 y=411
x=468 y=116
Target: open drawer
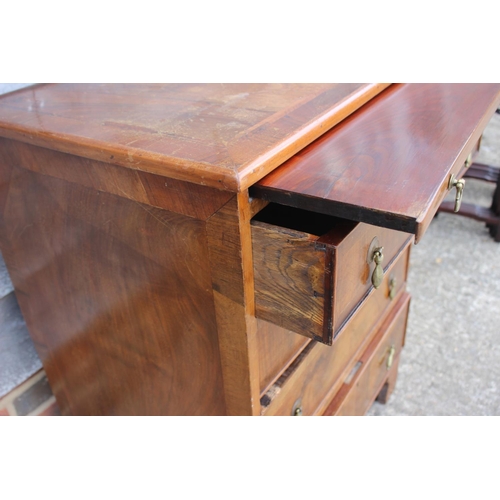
x=390 y=163
x=312 y=271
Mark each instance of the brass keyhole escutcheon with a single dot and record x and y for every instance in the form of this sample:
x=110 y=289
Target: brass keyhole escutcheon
x=392 y=288
x=390 y=359
x=459 y=184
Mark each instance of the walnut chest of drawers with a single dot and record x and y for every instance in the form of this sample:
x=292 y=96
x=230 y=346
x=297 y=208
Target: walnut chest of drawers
x=225 y=249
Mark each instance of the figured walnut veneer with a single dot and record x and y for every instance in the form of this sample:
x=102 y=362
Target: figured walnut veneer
x=117 y=296
x=221 y=135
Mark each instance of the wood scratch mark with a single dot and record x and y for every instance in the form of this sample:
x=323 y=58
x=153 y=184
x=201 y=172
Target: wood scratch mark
x=24 y=229
x=162 y=222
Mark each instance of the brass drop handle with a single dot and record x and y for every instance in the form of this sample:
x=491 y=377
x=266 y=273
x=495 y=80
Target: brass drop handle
x=297 y=412
x=378 y=272
x=390 y=359
x=459 y=184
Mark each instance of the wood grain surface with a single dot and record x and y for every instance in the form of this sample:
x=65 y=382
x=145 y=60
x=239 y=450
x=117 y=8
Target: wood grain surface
x=389 y=163
x=222 y=135
x=230 y=257
x=290 y=274
x=357 y=395
x=277 y=349
x=117 y=296
x=177 y=196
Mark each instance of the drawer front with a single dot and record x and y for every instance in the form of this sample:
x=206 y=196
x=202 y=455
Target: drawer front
x=370 y=372
x=355 y=267
x=312 y=271
x=319 y=370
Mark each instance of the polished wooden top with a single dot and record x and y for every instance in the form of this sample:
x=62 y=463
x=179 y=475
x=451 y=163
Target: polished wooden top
x=389 y=163
x=223 y=135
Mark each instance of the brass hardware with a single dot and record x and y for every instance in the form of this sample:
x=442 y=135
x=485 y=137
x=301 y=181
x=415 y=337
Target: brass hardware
x=378 y=272
x=373 y=245
x=390 y=359
x=459 y=184
x=375 y=254
x=297 y=408
x=468 y=161
x=392 y=288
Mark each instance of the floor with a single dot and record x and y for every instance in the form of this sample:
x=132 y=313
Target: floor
x=450 y=363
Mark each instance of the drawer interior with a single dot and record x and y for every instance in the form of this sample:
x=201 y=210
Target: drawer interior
x=304 y=221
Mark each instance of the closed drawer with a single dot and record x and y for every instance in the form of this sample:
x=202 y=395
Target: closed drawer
x=319 y=371
x=372 y=369
x=312 y=271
